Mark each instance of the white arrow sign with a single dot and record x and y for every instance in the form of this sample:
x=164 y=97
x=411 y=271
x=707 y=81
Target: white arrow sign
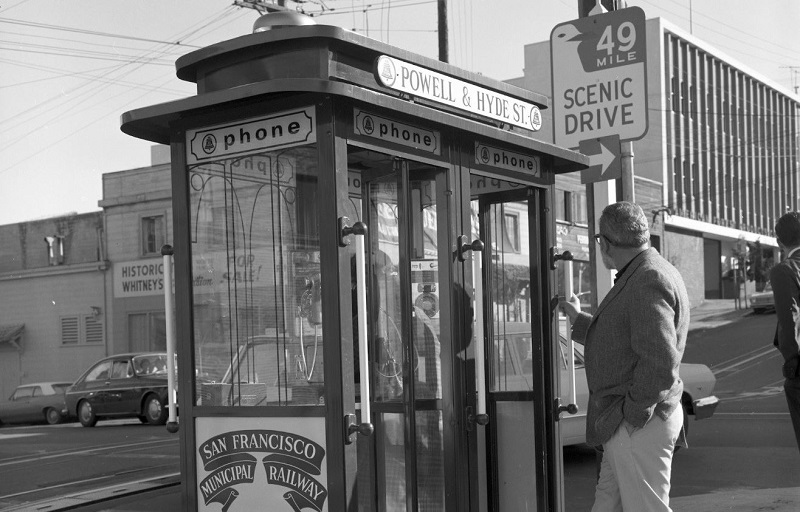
x=604 y=159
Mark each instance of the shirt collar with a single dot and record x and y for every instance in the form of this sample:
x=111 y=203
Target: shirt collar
x=623 y=269
x=792 y=252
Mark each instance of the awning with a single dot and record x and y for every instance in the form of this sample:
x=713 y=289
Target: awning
x=11 y=334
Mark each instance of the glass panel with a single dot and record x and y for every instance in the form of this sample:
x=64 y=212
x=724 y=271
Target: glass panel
x=386 y=315
x=425 y=289
x=404 y=332
x=256 y=280
x=511 y=349
x=392 y=462
x=581 y=282
x=430 y=461
x=516 y=461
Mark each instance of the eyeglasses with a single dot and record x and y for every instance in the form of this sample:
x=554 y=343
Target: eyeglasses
x=598 y=236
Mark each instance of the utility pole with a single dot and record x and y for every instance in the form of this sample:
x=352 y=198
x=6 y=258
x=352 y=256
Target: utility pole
x=794 y=72
x=443 y=48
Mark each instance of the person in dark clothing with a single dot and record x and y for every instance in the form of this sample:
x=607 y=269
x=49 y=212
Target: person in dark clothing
x=785 y=279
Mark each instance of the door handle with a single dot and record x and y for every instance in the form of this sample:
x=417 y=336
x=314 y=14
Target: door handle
x=555 y=256
x=569 y=408
x=365 y=428
x=480 y=417
x=463 y=246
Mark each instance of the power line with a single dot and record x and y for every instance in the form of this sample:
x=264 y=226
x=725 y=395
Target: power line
x=90 y=32
x=91 y=89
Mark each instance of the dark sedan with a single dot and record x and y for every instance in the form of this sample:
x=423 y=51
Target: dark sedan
x=122 y=386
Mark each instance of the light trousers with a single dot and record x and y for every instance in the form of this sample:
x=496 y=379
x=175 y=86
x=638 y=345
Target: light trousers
x=636 y=468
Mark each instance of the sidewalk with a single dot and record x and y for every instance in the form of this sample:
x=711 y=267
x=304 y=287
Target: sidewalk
x=714 y=313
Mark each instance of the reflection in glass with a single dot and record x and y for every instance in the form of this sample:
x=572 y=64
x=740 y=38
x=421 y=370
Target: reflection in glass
x=256 y=280
x=509 y=261
x=399 y=200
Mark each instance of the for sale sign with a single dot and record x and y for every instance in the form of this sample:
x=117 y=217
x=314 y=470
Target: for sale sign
x=599 y=77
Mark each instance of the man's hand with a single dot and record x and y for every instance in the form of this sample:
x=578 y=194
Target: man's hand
x=570 y=307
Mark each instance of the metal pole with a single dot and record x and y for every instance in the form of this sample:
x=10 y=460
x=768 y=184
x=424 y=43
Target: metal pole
x=443 y=48
x=626 y=161
x=169 y=313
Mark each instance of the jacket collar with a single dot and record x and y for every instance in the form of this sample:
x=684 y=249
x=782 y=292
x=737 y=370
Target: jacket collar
x=630 y=269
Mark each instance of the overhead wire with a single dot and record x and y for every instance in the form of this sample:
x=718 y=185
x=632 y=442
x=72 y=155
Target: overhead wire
x=88 y=32
x=91 y=91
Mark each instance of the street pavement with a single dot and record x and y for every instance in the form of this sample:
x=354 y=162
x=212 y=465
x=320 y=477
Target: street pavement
x=708 y=315
x=164 y=494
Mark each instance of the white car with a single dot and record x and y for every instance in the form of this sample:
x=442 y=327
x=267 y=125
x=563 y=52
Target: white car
x=697 y=400
x=763 y=300
x=513 y=371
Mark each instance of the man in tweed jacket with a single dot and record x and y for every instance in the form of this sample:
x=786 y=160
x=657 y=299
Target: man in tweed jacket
x=785 y=279
x=634 y=343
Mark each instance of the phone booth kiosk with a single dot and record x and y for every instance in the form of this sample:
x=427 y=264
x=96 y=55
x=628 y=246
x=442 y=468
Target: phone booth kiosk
x=363 y=268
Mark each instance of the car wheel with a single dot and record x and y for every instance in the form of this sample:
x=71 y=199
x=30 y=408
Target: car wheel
x=143 y=419
x=52 y=416
x=154 y=411
x=86 y=414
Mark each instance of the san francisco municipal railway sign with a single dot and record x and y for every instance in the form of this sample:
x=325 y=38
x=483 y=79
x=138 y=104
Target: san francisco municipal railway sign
x=425 y=83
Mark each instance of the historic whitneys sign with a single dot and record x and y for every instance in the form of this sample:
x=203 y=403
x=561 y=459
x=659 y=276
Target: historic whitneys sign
x=425 y=83
x=276 y=131
x=140 y=278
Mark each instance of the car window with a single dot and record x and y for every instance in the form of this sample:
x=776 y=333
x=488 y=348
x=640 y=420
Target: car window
x=100 y=372
x=21 y=393
x=121 y=370
x=37 y=391
x=60 y=388
x=150 y=364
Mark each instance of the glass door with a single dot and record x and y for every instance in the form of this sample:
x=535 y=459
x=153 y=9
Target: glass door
x=402 y=466
x=508 y=218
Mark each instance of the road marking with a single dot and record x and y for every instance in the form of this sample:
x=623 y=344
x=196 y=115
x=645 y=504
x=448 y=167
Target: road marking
x=765 y=392
x=4 y=437
x=769 y=353
x=749 y=415
x=90 y=451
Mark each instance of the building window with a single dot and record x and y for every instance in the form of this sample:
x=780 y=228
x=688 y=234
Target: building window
x=147 y=331
x=78 y=329
x=152 y=234
x=581 y=214
x=562 y=205
x=55 y=249
x=511 y=232
x=571 y=207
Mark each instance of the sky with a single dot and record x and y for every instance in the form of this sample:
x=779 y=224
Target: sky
x=70 y=68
